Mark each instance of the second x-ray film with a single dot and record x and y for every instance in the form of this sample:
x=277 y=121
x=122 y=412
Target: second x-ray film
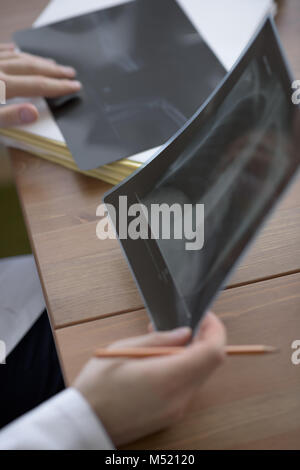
x=145 y=70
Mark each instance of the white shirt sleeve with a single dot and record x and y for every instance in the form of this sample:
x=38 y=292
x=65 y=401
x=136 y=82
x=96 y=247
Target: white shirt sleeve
x=21 y=298
x=65 y=422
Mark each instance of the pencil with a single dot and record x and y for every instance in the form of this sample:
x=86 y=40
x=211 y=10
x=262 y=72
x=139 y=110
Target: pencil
x=140 y=352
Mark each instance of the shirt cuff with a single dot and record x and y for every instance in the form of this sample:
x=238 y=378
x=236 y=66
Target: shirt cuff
x=65 y=422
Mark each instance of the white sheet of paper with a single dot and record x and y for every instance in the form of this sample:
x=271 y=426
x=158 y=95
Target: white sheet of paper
x=226 y=25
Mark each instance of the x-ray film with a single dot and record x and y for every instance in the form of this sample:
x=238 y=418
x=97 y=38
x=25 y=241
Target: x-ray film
x=235 y=157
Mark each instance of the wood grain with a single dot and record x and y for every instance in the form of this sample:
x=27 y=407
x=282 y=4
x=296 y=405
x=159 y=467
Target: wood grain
x=288 y=23
x=251 y=402
x=15 y=15
x=81 y=274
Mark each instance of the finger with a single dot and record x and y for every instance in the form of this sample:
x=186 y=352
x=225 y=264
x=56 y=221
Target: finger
x=14 y=115
x=13 y=54
x=35 y=85
x=197 y=361
x=37 y=66
x=7 y=46
x=150 y=327
x=8 y=54
x=209 y=327
x=177 y=337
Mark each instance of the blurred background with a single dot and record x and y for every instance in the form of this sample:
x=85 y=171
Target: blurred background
x=13 y=236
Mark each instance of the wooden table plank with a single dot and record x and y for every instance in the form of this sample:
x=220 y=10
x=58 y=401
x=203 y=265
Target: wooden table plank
x=81 y=274
x=288 y=23
x=15 y=16
x=250 y=400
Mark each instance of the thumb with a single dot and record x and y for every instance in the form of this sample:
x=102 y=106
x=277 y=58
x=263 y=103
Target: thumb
x=177 y=337
x=16 y=114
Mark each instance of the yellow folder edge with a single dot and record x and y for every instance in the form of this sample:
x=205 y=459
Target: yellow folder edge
x=111 y=173
x=59 y=147
x=102 y=173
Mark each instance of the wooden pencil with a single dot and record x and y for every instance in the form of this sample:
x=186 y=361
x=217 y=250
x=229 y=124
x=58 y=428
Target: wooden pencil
x=140 y=352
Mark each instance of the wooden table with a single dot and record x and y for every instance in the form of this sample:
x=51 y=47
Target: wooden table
x=250 y=403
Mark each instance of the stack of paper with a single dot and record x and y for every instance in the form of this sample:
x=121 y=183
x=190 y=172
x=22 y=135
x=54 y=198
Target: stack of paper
x=226 y=26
